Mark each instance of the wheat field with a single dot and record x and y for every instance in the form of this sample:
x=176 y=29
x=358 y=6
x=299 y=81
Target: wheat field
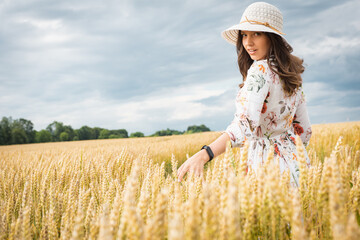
x=127 y=189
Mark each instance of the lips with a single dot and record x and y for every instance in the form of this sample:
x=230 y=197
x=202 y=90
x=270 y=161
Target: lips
x=251 y=51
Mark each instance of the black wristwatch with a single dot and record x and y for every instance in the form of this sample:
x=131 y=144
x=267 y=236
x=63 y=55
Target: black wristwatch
x=209 y=151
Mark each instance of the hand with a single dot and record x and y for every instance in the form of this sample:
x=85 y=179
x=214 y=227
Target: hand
x=194 y=165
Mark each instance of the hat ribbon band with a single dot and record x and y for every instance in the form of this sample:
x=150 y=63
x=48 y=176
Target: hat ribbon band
x=266 y=24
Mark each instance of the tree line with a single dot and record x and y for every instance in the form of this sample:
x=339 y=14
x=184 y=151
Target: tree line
x=21 y=131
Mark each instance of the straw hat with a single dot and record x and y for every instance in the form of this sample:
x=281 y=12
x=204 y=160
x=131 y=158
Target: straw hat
x=260 y=17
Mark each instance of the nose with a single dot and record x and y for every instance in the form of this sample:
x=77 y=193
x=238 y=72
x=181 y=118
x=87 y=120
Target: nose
x=248 y=41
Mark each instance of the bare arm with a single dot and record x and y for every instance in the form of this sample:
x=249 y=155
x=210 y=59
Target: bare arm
x=219 y=145
x=195 y=164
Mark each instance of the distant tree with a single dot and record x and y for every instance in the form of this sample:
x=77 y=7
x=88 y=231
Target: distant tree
x=167 y=132
x=76 y=135
x=2 y=140
x=27 y=126
x=17 y=131
x=195 y=129
x=5 y=131
x=104 y=134
x=18 y=136
x=70 y=131
x=22 y=131
x=85 y=133
x=55 y=128
x=43 y=136
x=64 y=136
x=136 y=134
x=96 y=132
x=120 y=133
x=112 y=136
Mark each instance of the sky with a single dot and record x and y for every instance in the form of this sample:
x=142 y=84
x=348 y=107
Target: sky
x=151 y=65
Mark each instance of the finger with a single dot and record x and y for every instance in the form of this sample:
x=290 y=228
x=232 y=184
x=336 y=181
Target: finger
x=192 y=173
x=180 y=178
x=179 y=170
x=183 y=166
x=180 y=175
x=198 y=173
x=183 y=172
x=201 y=174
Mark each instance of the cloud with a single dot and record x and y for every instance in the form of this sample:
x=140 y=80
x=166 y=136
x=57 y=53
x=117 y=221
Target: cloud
x=327 y=104
x=182 y=104
x=152 y=65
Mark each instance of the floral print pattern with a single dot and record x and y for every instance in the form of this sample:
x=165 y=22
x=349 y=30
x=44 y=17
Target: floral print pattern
x=257 y=84
x=266 y=117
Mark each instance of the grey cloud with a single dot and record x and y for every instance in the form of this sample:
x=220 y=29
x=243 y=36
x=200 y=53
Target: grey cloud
x=120 y=51
x=219 y=100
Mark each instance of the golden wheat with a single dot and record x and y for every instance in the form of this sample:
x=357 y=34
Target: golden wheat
x=127 y=189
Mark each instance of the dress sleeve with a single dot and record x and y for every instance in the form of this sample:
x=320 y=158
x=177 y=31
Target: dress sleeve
x=301 y=122
x=249 y=103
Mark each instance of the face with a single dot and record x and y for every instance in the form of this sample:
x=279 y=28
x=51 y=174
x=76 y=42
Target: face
x=256 y=44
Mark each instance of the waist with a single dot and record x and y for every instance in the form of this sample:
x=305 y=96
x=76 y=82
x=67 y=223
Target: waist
x=272 y=137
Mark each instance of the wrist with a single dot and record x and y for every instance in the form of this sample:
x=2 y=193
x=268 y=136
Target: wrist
x=208 y=152
x=204 y=156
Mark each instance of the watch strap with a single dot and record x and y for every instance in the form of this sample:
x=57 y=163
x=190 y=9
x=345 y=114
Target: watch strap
x=209 y=151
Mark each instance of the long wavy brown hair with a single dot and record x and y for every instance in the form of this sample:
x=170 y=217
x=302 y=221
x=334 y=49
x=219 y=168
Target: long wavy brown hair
x=280 y=60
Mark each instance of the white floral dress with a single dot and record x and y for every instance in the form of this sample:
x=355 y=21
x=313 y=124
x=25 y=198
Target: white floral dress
x=265 y=116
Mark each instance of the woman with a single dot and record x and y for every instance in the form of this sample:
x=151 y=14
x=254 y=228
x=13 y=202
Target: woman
x=270 y=105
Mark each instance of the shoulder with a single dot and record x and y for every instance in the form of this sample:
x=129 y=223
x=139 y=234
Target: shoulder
x=258 y=77
x=260 y=67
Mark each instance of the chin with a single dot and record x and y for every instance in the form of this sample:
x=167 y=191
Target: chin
x=257 y=58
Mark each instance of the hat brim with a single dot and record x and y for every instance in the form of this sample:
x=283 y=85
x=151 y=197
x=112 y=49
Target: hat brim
x=231 y=34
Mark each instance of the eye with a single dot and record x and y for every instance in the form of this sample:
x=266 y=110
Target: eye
x=257 y=34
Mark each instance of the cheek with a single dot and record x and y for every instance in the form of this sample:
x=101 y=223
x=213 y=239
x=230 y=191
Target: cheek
x=266 y=45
